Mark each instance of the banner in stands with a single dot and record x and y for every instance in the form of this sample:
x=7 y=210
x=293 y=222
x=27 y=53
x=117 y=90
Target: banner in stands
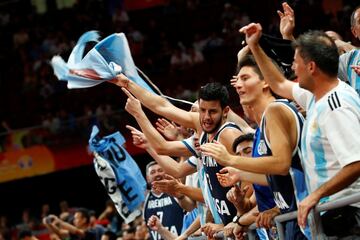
x=28 y=162
x=17 y=163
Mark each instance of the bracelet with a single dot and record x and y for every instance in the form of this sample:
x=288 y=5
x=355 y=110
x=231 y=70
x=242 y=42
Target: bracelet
x=241 y=225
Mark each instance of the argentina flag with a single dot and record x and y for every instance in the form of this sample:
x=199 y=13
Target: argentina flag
x=103 y=62
x=119 y=173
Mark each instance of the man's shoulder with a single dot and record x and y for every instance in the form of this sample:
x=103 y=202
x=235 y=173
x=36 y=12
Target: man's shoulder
x=344 y=96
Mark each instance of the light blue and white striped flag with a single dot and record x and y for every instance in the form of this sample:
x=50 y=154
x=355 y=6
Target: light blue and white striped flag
x=103 y=62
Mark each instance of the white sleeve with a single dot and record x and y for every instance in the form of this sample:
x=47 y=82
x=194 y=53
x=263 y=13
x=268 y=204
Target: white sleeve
x=189 y=143
x=192 y=161
x=342 y=128
x=301 y=96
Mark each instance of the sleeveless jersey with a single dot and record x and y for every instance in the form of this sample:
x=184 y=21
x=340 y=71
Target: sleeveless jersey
x=224 y=207
x=264 y=196
x=167 y=209
x=283 y=187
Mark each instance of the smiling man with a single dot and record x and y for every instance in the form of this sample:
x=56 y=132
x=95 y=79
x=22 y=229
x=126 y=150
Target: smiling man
x=211 y=123
x=330 y=140
x=164 y=206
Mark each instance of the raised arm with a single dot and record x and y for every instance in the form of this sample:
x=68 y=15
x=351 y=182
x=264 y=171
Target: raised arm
x=155 y=224
x=281 y=121
x=156 y=140
x=174 y=188
x=277 y=81
x=158 y=104
x=287 y=21
x=170 y=166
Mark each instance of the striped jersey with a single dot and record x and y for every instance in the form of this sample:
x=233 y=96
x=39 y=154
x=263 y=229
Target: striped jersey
x=225 y=209
x=346 y=73
x=330 y=138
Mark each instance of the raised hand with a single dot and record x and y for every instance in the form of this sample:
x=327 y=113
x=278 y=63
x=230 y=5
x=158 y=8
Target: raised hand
x=252 y=32
x=139 y=139
x=133 y=105
x=154 y=223
x=237 y=196
x=217 y=151
x=228 y=176
x=169 y=185
x=233 y=81
x=169 y=130
x=287 y=21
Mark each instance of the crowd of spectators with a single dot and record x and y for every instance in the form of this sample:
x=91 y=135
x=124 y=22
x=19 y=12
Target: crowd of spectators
x=107 y=222
x=180 y=46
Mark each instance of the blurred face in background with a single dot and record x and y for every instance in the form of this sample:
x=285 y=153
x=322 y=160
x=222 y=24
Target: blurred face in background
x=80 y=221
x=355 y=28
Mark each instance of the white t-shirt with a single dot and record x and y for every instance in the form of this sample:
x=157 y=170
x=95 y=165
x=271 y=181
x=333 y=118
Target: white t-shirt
x=331 y=135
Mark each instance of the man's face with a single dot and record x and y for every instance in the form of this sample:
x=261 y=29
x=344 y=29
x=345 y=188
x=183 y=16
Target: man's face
x=249 y=86
x=244 y=149
x=79 y=220
x=355 y=29
x=301 y=71
x=211 y=115
x=155 y=173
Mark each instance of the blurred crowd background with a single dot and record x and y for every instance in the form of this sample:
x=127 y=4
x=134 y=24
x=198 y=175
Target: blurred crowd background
x=179 y=44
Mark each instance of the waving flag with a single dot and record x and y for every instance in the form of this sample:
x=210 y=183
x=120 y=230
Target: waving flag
x=119 y=173
x=103 y=62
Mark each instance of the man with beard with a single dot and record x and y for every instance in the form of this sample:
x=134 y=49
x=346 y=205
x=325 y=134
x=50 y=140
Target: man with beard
x=164 y=206
x=210 y=122
x=330 y=152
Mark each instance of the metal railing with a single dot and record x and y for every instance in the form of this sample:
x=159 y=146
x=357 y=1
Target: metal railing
x=316 y=229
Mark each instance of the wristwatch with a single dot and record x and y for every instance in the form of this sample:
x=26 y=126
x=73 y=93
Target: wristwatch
x=236 y=220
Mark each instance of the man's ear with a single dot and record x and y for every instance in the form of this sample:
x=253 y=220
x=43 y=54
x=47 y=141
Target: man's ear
x=226 y=111
x=311 y=66
x=354 y=32
x=265 y=84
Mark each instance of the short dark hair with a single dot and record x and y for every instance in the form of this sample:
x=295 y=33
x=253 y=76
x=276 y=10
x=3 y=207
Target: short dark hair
x=242 y=138
x=84 y=213
x=152 y=163
x=249 y=61
x=214 y=92
x=352 y=18
x=318 y=47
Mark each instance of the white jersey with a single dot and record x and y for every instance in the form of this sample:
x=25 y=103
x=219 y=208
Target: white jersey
x=202 y=183
x=331 y=135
